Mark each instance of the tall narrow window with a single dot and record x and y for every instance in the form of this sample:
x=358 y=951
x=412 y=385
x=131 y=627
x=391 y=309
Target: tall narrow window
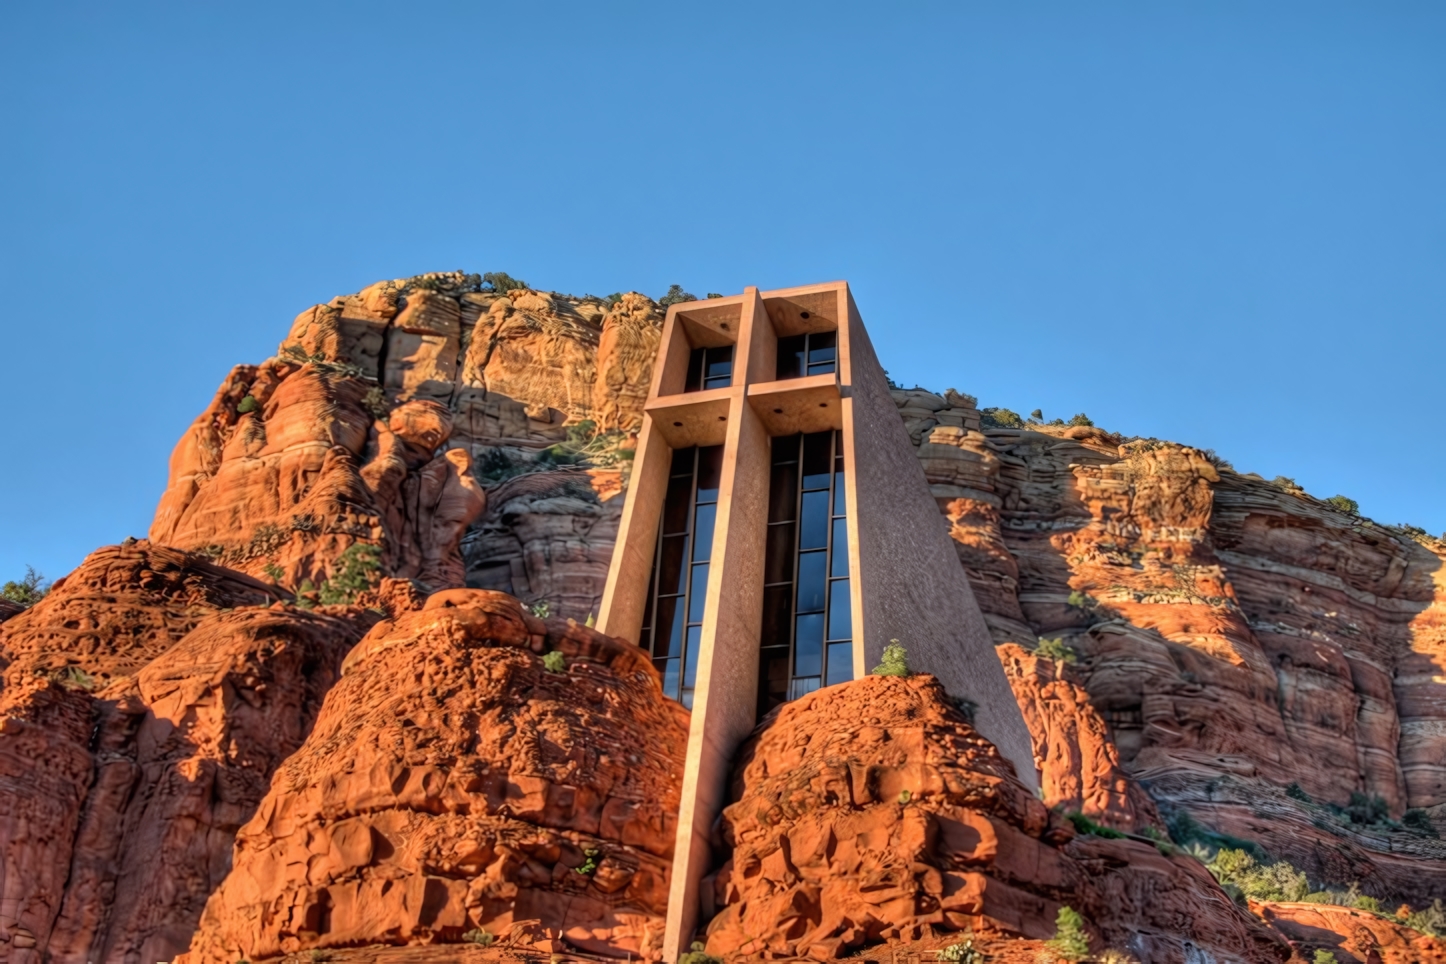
x=673 y=617
x=807 y=613
x=813 y=354
x=709 y=368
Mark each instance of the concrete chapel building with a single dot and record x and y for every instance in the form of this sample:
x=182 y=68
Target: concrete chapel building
x=778 y=533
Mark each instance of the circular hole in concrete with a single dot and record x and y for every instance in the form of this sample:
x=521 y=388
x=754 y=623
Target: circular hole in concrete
x=823 y=404
x=778 y=411
x=722 y=418
x=677 y=425
x=803 y=314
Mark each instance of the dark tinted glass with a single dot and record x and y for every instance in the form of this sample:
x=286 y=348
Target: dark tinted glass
x=703 y=532
x=785 y=448
x=682 y=463
x=675 y=509
x=783 y=491
x=817 y=460
x=811 y=579
x=777 y=615
x=670 y=626
x=840 y=507
x=802 y=687
x=710 y=472
x=690 y=661
x=669 y=669
x=822 y=348
x=808 y=646
x=813 y=533
x=697 y=594
x=773 y=679
x=670 y=568
x=840 y=663
x=778 y=560
x=839 y=565
x=840 y=613
x=790 y=356
x=694 y=381
x=718 y=367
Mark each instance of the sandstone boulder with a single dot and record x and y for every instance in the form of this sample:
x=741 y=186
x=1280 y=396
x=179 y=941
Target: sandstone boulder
x=454 y=783
x=872 y=810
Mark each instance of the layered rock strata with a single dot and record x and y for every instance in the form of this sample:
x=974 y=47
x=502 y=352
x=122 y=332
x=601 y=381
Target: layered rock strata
x=872 y=810
x=384 y=415
x=145 y=707
x=1236 y=635
x=1350 y=936
x=454 y=783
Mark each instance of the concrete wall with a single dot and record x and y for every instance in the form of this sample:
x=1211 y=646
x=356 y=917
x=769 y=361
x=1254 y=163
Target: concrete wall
x=912 y=586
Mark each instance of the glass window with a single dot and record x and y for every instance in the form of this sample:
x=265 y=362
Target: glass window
x=709 y=368
x=678 y=587
x=815 y=353
x=807 y=615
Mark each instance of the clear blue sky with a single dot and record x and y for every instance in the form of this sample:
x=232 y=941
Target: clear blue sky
x=1218 y=223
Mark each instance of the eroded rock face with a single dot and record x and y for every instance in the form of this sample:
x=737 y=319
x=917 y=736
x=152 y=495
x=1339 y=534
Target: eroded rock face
x=1236 y=635
x=1079 y=765
x=121 y=608
x=872 y=810
x=385 y=415
x=290 y=466
x=145 y=706
x=453 y=782
x=1353 y=936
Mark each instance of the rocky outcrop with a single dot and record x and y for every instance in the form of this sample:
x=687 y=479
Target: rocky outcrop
x=455 y=783
x=147 y=701
x=1079 y=765
x=1352 y=936
x=296 y=460
x=1236 y=635
x=385 y=415
x=872 y=810
x=121 y=608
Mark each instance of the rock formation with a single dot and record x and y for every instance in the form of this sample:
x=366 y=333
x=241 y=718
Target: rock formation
x=1236 y=635
x=872 y=810
x=1352 y=936
x=456 y=783
x=1238 y=663
x=385 y=414
x=147 y=700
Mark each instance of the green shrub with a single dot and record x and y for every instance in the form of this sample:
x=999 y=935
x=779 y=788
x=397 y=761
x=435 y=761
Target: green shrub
x=894 y=662
x=1070 y=940
x=1277 y=881
x=1419 y=821
x=712 y=294
x=1081 y=420
x=1000 y=418
x=555 y=662
x=1295 y=792
x=1056 y=650
x=542 y=610
x=1345 y=504
x=1430 y=921
x=962 y=952
x=247 y=404
x=1323 y=956
x=592 y=855
x=274 y=572
x=375 y=402
x=479 y=936
x=501 y=282
x=1037 y=415
x=1367 y=811
x=28 y=591
x=676 y=296
x=698 y=955
x=356 y=570
x=1085 y=825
